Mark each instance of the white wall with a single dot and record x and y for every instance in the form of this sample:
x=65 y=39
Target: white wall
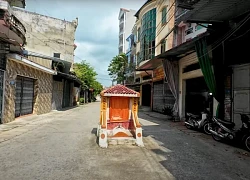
x=129 y=24
x=47 y=35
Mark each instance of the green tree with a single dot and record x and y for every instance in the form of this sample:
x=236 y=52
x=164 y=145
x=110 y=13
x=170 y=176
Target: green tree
x=87 y=74
x=117 y=68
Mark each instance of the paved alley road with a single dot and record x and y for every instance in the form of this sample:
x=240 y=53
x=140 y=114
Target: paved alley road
x=62 y=146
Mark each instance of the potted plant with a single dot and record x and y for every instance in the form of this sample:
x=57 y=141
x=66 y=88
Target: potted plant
x=167 y=110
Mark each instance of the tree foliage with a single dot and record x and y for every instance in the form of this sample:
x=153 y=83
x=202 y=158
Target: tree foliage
x=117 y=67
x=87 y=74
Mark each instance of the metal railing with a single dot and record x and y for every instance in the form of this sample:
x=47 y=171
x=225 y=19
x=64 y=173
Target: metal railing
x=12 y=20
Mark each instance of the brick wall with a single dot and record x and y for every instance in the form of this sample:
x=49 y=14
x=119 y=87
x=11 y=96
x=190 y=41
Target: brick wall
x=42 y=89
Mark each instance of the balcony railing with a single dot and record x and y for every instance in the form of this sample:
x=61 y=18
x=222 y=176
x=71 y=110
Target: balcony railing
x=121 y=21
x=10 y=25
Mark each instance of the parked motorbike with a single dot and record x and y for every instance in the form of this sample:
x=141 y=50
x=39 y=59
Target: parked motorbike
x=224 y=130
x=198 y=121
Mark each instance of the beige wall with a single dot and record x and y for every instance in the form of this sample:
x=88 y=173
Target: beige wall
x=42 y=89
x=44 y=62
x=46 y=35
x=143 y=11
x=163 y=29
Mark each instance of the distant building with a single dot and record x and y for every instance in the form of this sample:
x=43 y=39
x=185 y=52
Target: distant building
x=126 y=22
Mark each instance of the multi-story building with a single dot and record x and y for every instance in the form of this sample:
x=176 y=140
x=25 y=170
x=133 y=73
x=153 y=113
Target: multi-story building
x=50 y=42
x=167 y=77
x=32 y=80
x=155 y=26
x=12 y=39
x=126 y=22
x=51 y=36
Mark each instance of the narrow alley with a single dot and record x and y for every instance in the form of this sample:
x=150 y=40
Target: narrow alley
x=62 y=145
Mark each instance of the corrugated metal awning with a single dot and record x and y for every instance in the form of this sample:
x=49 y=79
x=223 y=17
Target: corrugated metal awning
x=216 y=11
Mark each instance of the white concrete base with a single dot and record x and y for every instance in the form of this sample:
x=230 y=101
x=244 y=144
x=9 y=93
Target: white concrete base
x=103 y=140
x=98 y=130
x=139 y=139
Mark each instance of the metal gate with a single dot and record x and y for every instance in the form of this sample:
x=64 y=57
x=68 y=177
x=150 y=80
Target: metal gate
x=24 y=96
x=241 y=92
x=162 y=96
x=158 y=96
x=1 y=94
x=66 y=94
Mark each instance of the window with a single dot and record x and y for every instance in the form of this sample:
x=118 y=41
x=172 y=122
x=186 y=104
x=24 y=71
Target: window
x=163 y=46
x=164 y=16
x=147 y=36
x=57 y=55
x=139 y=34
x=189 y=31
x=138 y=59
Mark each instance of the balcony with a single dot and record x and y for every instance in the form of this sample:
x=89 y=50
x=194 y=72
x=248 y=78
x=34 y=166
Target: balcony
x=121 y=21
x=12 y=30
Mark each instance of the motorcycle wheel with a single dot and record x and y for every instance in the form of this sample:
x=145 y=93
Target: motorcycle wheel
x=205 y=129
x=188 y=126
x=247 y=143
x=215 y=137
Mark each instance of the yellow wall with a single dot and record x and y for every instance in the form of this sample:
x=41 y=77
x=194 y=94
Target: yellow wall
x=163 y=29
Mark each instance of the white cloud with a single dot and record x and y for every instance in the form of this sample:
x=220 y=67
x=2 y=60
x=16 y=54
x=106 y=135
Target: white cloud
x=97 y=32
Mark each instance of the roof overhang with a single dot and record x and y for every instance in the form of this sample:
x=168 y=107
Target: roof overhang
x=69 y=77
x=150 y=65
x=138 y=12
x=120 y=95
x=122 y=11
x=23 y=60
x=34 y=54
x=215 y=11
x=176 y=52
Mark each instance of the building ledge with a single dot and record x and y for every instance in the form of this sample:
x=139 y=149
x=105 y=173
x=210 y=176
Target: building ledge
x=23 y=60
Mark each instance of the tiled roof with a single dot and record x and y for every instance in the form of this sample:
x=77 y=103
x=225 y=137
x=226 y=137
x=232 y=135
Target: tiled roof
x=120 y=90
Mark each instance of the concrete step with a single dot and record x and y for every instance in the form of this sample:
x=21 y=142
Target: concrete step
x=120 y=133
x=121 y=141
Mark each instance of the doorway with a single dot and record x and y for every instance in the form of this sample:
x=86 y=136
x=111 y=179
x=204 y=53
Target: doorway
x=197 y=99
x=146 y=95
x=66 y=94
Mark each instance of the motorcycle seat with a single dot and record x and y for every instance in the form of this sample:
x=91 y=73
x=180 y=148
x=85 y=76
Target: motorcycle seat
x=192 y=115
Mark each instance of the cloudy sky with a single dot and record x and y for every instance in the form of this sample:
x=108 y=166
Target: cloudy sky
x=97 y=32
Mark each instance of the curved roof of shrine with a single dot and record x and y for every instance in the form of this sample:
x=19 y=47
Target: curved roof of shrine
x=120 y=90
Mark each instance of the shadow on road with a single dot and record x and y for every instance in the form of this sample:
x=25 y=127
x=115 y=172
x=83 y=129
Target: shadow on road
x=68 y=108
x=94 y=131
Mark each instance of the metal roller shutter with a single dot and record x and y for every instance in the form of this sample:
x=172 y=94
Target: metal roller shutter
x=24 y=96
x=241 y=92
x=158 y=96
x=162 y=96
